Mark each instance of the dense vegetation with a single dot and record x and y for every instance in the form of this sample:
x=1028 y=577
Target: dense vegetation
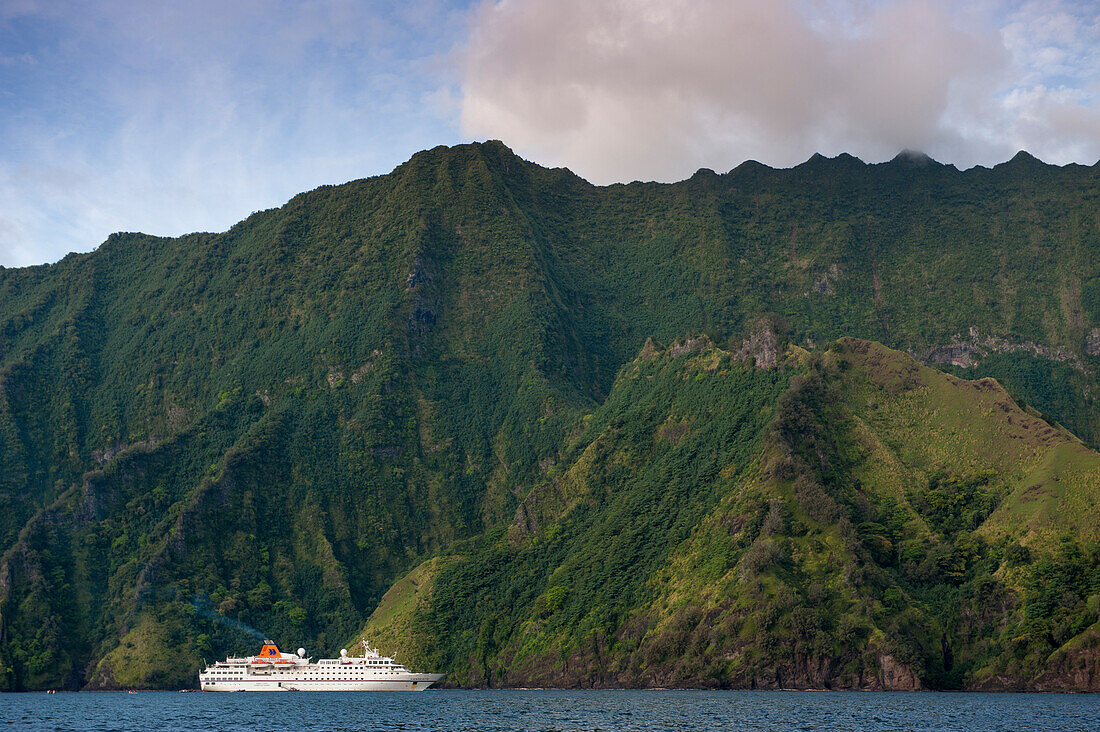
x=792 y=563
x=648 y=465
x=268 y=427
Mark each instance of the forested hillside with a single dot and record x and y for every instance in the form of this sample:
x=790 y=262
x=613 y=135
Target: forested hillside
x=455 y=370
x=848 y=519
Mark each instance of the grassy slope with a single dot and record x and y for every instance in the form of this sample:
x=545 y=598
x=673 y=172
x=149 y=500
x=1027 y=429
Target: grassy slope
x=914 y=422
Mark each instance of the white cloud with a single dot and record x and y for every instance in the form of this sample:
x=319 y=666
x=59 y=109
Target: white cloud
x=1051 y=101
x=176 y=117
x=653 y=89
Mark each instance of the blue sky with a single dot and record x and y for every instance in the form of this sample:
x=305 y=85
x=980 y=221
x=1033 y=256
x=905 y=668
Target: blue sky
x=171 y=117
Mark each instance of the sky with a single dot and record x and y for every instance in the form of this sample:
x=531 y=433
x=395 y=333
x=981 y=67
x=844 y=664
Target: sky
x=171 y=117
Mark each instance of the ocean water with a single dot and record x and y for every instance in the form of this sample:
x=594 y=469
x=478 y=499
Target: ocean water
x=510 y=711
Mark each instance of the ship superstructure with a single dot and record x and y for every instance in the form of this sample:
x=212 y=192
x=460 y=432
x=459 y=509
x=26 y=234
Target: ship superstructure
x=273 y=670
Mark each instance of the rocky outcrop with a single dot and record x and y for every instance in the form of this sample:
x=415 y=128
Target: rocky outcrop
x=108 y=454
x=963 y=355
x=826 y=282
x=762 y=346
x=967 y=351
x=1092 y=342
x=1076 y=668
x=892 y=676
x=650 y=350
x=596 y=667
x=688 y=345
x=419 y=286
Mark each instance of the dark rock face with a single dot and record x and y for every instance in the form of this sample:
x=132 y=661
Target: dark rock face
x=762 y=346
x=967 y=351
x=1092 y=343
x=963 y=355
x=826 y=283
x=893 y=676
x=690 y=345
x=422 y=316
x=595 y=668
x=422 y=319
x=419 y=275
x=1076 y=669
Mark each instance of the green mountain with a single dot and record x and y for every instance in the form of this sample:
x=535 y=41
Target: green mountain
x=433 y=403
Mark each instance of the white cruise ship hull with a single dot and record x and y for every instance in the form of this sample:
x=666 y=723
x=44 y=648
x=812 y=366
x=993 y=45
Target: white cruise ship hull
x=416 y=682
x=273 y=670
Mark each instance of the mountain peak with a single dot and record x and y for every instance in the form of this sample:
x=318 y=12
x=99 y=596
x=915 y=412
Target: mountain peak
x=491 y=149
x=1022 y=160
x=750 y=167
x=843 y=161
x=913 y=159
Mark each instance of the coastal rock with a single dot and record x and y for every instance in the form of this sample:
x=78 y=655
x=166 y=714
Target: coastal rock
x=1076 y=668
x=894 y=676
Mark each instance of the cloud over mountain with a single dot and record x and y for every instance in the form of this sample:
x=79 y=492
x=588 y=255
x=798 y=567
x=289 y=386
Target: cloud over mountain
x=647 y=89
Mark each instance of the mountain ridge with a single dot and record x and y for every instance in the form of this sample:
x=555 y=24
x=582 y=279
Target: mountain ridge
x=843 y=157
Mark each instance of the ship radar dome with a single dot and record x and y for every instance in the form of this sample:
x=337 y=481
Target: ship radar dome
x=301 y=653
x=343 y=652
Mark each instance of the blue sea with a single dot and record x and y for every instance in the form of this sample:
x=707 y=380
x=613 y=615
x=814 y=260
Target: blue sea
x=551 y=710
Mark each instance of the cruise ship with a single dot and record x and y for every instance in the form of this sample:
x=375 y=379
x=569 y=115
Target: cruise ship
x=273 y=670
